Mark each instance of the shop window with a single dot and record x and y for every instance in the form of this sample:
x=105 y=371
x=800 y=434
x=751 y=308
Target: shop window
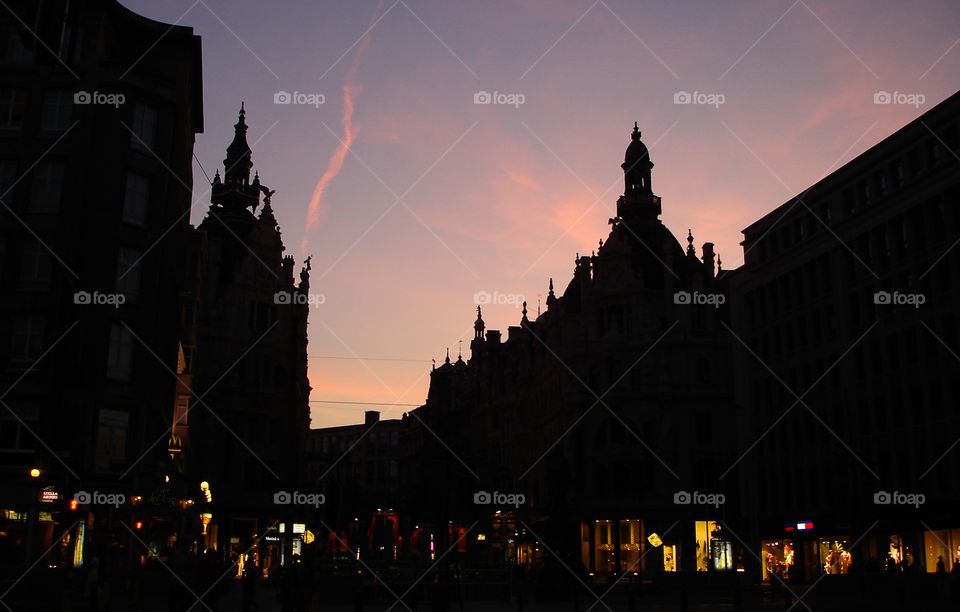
x=835 y=556
x=778 y=559
x=942 y=550
x=714 y=551
x=629 y=545
x=603 y=547
x=670 y=554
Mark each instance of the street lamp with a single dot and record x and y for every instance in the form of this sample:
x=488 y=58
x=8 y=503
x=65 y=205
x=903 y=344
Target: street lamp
x=28 y=548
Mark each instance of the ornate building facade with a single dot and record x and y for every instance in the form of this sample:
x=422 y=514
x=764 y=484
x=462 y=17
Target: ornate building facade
x=592 y=427
x=242 y=421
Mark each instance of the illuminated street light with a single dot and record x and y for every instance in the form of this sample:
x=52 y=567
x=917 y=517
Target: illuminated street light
x=35 y=473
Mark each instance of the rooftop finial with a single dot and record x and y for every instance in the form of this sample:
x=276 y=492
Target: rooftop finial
x=690 y=249
x=636 y=131
x=447 y=360
x=524 y=310
x=478 y=326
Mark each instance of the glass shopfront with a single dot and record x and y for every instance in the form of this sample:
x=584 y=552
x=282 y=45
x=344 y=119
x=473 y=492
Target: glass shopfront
x=629 y=545
x=900 y=555
x=942 y=550
x=604 y=555
x=714 y=551
x=778 y=558
x=835 y=555
x=612 y=547
x=670 y=554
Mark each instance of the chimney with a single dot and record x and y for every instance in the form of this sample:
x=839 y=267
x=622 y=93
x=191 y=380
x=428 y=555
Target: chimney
x=370 y=417
x=708 y=256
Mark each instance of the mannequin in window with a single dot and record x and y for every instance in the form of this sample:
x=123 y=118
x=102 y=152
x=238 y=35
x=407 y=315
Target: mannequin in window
x=845 y=560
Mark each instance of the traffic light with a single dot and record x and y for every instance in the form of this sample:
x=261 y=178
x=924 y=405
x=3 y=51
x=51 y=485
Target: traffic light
x=138 y=525
x=73 y=505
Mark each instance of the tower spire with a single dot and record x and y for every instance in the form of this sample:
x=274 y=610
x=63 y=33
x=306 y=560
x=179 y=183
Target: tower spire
x=237 y=163
x=478 y=326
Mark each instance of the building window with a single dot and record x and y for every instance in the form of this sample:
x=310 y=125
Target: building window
x=27 y=338
x=120 y=354
x=35 y=265
x=15 y=437
x=57 y=109
x=136 y=198
x=144 y=126
x=47 y=187
x=111 y=449
x=17 y=44
x=604 y=551
x=181 y=409
x=704 y=428
x=128 y=272
x=8 y=176
x=848 y=204
x=11 y=108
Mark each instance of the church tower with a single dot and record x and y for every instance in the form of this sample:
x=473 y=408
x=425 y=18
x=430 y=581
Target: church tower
x=637 y=204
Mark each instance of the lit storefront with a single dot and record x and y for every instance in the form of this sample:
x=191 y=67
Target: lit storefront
x=778 y=557
x=611 y=546
x=942 y=545
x=714 y=551
x=835 y=556
x=802 y=555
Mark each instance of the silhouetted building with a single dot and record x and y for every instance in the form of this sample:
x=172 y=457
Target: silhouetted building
x=98 y=113
x=244 y=424
x=846 y=319
x=357 y=468
x=591 y=428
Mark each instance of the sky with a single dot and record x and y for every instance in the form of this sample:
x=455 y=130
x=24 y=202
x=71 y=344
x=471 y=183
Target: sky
x=412 y=197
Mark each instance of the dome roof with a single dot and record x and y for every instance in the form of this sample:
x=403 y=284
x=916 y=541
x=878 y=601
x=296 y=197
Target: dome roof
x=636 y=150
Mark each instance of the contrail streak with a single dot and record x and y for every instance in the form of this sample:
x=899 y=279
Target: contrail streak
x=351 y=90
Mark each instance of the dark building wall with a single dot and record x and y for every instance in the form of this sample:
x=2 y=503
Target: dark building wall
x=72 y=218
x=249 y=416
x=879 y=378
